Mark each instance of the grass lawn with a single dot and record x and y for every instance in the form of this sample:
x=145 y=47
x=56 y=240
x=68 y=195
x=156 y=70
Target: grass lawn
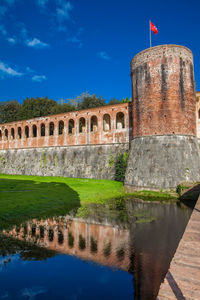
x=27 y=197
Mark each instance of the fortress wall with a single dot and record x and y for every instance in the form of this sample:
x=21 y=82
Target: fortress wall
x=86 y=161
x=163 y=91
x=101 y=125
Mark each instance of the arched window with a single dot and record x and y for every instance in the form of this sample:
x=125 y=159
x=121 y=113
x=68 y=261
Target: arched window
x=107 y=249
x=71 y=127
x=34 y=130
x=12 y=133
x=93 y=124
x=60 y=127
x=120 y=253
x=81 y=242
x=60 y=237
x=93 y=245
x=26 y=132
x=19 y=132
x=106 y=122
x=6 y=133
x=42 y=130
x=82 y=126
x=70 y=240
x=51 y=235
x=41 y=232
x=51 y=128
x=120 y=123
x=199 y=113
x=0 y=135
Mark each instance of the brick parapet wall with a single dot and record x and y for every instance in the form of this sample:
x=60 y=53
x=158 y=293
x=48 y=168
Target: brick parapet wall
x=119 y=131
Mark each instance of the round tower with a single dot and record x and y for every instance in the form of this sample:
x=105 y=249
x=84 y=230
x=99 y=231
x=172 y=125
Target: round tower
x=164 y=150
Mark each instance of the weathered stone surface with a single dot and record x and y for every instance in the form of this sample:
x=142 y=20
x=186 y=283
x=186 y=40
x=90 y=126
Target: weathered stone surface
x=157 y=162
x=94 y=161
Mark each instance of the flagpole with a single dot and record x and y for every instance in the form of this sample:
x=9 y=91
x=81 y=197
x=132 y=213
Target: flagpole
x=150 y=32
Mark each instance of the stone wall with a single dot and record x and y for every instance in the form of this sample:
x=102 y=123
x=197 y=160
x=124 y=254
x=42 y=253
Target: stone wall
x=162 y=162
x=92 y=161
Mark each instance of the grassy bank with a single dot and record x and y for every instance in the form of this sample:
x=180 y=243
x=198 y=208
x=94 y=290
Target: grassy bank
x=28 y=197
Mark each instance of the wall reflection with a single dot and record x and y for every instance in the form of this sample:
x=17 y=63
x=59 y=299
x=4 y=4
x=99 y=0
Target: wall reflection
x=103 y=244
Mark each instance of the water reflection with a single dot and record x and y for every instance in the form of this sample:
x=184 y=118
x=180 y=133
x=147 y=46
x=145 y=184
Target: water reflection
x=139 y=238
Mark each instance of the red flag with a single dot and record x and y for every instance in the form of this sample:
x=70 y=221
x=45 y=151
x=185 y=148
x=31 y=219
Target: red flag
x=153 y=28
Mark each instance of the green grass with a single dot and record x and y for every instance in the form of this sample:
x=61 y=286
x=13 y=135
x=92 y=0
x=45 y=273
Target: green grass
x=27 y=197
x=155 y=196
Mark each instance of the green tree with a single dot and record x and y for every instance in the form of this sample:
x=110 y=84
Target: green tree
x=32 y=108
x=9 y=111
x=114 y=101
x=85 y=100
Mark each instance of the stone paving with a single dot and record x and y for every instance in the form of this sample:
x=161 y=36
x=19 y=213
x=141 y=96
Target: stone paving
x=183 y=278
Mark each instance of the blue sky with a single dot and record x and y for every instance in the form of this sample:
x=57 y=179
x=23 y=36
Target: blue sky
x=61 y=48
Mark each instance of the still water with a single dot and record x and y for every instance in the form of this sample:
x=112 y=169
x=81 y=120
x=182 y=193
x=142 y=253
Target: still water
x=116 y=251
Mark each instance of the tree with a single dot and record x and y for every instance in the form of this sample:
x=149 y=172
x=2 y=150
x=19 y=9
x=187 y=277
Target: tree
x=66 y=107
x=114 y=101
x=32 y=108
x=9 y=111
x=86 y=100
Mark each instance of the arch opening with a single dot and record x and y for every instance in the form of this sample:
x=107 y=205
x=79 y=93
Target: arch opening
x=71 y=126
x=82 y=127
x=60 y=127
x=94 y=124
x=106 y=122
x=19 y=132
x=27 y=132
x=51 y=128
x=6 y=133
x=42 y=129
x=12 y=133
x=120 y=121
x=34 y=130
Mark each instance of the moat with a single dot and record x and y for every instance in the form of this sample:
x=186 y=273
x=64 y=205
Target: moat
x=120 y=250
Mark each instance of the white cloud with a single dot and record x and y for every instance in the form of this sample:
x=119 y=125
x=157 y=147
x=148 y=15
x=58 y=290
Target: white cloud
x=12 y=41
x=39 y=78
x=103 y=55
x=35 y=43
x=29 y=70
x=75 y=40
x=6 y=70
x=63 y=10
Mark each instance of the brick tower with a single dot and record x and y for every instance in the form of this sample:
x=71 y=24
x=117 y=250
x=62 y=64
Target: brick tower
x=164 y=150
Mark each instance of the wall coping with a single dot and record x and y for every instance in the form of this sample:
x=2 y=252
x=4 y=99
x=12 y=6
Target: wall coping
x=160 y=47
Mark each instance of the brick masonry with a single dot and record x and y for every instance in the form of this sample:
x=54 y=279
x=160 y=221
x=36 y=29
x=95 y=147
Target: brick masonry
x=102 y=125
x=163 y=91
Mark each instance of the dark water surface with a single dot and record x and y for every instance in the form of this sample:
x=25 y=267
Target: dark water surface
x=116 y=251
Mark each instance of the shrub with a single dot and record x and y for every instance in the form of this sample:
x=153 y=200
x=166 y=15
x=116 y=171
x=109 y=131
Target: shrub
x=120 y=166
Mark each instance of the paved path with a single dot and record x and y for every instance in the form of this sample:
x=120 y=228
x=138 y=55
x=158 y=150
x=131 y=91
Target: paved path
x=183 y=278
